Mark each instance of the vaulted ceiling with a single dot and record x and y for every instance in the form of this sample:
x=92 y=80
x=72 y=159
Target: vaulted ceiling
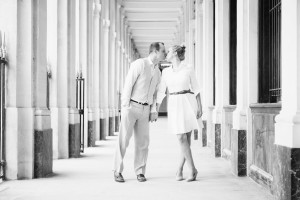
x=153 y=21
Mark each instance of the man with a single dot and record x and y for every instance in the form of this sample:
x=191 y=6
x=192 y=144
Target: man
x=138 y=108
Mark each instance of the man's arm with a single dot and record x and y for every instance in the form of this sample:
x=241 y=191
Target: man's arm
x=132 y=76
x=154 y=110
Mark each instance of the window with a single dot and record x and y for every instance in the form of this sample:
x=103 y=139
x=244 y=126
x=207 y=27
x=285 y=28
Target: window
x=232 y=51
x=269 y=51
x=214 y=52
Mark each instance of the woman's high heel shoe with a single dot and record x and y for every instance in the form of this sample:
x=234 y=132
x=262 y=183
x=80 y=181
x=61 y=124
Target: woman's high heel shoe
x=193 y=178
x=179 y=176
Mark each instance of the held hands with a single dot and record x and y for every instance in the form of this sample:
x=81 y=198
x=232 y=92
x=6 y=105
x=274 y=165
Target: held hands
x=153 y=116
x=199 y=113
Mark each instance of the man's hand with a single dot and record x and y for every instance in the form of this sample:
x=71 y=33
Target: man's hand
x=153 y=116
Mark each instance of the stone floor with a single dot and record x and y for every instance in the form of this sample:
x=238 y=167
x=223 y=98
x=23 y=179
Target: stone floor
x=90 y=177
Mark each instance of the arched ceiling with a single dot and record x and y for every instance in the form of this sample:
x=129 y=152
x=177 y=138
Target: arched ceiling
x=153 y=21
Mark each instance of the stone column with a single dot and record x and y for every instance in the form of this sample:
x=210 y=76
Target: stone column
x=111 y=68
x=74 y=126
x=122 y=51
x=96 y=71
x=208 y=68
x=19 y=137
x=221 y=71
x=238 y=137
x=91 y=132
x=52 y=31
x=104 y=71
x=93 y=11
x=199 y=52
x=62 y=112
x=42 y=124
x=83 y=59
x=118 y=66
x=287 y=126
x=252 y=71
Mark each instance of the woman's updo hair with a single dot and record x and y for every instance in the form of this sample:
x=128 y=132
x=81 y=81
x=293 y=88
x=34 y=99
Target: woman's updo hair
x=180 y=50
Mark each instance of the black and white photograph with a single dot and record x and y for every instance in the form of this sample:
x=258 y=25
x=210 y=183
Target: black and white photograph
x=150 y=99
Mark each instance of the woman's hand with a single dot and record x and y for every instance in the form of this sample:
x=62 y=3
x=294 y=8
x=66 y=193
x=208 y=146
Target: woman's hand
x=199 y=113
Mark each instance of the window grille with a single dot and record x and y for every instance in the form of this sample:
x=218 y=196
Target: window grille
x=270 y=51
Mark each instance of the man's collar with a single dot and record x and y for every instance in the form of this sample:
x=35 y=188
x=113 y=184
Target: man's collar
x=150 y=61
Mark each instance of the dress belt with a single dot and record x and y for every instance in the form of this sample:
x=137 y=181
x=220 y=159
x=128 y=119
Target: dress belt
x=182 y=92
x=144 y=104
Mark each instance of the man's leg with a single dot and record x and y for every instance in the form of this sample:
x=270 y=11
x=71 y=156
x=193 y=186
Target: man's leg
x=141 y=138
x=125 y=133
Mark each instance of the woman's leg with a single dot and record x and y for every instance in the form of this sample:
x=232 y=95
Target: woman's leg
x=189 y=137
x=180 y=164
x=186 y=150
x=182 y=158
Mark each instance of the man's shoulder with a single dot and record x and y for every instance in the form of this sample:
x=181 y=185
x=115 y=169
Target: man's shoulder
x=139 y=61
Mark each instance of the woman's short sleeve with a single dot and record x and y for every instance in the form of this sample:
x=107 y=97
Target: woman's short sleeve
x=194 y=83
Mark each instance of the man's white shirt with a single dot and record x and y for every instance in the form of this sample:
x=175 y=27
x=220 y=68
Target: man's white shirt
x=141 y=83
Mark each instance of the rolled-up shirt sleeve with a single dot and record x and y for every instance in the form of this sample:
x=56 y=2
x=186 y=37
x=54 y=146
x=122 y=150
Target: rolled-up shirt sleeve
x=132 y=76
x=153 y=106
x=194 y=83
x=161 y=93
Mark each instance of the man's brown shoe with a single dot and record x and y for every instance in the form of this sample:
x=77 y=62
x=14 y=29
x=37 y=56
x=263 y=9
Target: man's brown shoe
x=141 y=178
x=118 y=177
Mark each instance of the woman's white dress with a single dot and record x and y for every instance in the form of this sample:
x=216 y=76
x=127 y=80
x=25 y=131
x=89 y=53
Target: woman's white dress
x=182 y=108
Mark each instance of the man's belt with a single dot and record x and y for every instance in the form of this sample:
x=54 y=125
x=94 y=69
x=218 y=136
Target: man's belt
x=182 y=92
x=144 y=104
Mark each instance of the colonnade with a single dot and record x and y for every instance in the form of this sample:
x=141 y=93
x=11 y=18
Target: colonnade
x=63 y=41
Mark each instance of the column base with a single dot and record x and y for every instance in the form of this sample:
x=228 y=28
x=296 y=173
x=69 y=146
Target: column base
x=117 y=123
x=284 y=182
x=239 y=152
x=196 y=134
x=103 y=129
x=74 y=140
x=91 y=133
x=217 y=148
x=43 y=154
x=111 y=126
x=204 y=134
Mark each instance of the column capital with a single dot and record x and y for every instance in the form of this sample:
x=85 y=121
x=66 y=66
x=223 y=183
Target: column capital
x=119 y=6
x=96 y=8
x=106 y=23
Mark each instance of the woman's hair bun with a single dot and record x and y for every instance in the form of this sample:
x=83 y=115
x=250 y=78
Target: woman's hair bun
x=180 y=50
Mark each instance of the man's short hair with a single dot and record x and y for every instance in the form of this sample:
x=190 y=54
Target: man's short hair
x=155 y=46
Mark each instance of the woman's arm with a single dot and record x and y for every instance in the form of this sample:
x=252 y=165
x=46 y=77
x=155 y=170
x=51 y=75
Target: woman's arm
x=199 y=109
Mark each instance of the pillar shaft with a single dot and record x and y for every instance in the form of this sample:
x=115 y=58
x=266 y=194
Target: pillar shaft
x=83 y=55
x=104 y=111
x=239 y=115
x=222 y=59
x=62 y=79
x=287 y=127
x=96 y=66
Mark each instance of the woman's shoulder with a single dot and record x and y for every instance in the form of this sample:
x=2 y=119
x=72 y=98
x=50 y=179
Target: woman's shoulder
x=188 y=67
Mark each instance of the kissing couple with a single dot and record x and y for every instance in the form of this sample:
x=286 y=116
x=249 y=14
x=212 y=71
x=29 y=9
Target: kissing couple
x=144 y=89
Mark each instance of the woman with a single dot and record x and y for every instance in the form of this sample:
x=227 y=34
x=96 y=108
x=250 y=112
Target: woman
x=184 y=110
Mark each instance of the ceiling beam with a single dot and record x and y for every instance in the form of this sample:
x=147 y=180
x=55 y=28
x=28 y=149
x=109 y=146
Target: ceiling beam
x=151 y=32
x=151 y=6
x=153 y=25
x=152 y=16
